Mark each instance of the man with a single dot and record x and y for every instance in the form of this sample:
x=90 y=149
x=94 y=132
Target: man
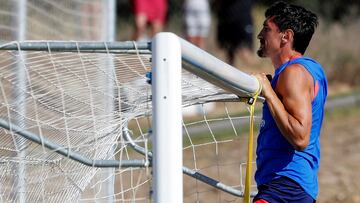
x=288 y=151
x=235 y=29
x=148 y=12
x=197 y=21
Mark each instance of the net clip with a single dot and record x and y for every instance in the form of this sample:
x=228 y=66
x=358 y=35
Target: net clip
x=148 y=77
x=248 y=100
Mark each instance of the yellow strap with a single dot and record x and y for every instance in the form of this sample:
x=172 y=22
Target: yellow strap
x=248 y=176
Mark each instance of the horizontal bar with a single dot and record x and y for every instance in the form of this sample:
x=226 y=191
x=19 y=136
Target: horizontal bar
x=195 y=60
x=74 y=46
x=215 y=183
x=198 y=176
x=68 y=153
x=217 y=72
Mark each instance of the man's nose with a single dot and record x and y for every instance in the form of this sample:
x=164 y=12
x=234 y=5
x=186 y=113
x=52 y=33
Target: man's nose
x=259 y=36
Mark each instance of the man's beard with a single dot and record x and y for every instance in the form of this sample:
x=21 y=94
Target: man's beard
x=260 y=52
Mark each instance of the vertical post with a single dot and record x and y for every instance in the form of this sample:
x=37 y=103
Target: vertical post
x=109 y=20
x=19 y=93
x=108 y=35
x=20 y=20
x=167 y=119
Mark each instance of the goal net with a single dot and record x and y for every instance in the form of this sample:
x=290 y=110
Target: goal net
x=57 y=20
x=70 y=110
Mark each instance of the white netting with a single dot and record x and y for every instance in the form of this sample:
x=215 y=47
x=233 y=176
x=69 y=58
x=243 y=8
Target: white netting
x=65 y=97
x=83 y=101
x=53 y=20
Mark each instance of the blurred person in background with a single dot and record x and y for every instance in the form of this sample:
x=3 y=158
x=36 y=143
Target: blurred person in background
x=235 y=29
x=288 y=145
x=197 y=24
x=197 y=21
x=148 y=12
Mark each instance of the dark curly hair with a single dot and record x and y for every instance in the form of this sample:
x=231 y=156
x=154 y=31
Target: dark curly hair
x=301 y=21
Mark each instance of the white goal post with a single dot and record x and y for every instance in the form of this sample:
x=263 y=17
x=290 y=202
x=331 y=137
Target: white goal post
x=168 y=53
x=168 y=50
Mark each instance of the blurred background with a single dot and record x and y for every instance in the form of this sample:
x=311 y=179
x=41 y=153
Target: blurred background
x=335 y=45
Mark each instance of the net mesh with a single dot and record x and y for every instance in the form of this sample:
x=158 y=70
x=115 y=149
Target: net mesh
x=83 y=101
x=53 y=20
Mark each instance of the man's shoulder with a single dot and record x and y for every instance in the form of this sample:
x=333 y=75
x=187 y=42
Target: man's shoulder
x=295 y=70
x=295 y=78
x=306 y=61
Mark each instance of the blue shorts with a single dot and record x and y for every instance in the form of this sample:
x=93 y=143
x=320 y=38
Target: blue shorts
x=282 y=190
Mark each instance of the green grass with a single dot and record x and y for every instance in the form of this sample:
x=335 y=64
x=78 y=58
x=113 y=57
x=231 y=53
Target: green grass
x=220 y=135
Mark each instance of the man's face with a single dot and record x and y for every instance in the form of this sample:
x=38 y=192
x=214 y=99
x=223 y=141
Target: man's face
x=270 y=39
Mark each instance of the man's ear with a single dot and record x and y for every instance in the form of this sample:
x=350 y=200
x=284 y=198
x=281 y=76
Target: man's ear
x=288 y=36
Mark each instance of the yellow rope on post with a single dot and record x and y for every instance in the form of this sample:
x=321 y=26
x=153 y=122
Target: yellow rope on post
x=248 y=176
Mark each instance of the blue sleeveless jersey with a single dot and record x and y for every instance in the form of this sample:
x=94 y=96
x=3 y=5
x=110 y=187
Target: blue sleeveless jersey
x=276 y=157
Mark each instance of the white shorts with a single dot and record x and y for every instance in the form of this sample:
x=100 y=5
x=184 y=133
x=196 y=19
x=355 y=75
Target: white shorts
x=197 y=19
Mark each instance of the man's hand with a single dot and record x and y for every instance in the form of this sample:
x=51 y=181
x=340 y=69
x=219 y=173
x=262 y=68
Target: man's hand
x=266 y=90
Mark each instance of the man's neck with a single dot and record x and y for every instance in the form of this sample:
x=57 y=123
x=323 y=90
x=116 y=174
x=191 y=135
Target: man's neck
x=284 y=57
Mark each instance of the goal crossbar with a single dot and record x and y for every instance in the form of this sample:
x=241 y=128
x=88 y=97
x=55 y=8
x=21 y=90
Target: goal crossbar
x=212 y=69
x=64 y=46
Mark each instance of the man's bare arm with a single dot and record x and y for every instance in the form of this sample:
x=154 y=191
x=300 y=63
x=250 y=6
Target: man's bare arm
x=290 y=104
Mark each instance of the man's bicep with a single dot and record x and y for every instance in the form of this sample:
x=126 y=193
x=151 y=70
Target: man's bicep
x=294 y=89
